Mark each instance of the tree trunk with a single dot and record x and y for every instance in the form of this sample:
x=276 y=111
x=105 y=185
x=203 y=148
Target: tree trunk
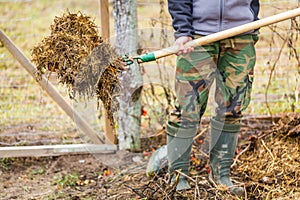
x=125 y=18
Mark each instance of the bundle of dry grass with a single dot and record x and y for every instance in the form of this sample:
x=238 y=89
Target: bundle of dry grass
x=99 y=75
x=72 y=38
x=83 y=62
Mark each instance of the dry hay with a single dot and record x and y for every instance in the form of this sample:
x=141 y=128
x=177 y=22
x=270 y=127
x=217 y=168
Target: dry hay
x=271 y=164
x=72 y=39
x=82 y=60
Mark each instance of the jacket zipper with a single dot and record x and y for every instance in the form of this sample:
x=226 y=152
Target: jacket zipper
x=221 y=15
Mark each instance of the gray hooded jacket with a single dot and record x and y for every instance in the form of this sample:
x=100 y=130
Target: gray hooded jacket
x=203 y=17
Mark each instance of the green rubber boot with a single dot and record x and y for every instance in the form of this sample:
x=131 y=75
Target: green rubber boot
x=223 y=141
x=157 y=162
x=179 y=146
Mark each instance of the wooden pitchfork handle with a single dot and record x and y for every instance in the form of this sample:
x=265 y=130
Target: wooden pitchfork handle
x=151 y=56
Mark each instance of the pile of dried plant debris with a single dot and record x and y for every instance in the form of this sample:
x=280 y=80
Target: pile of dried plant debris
x=271 y=164
x=82 y=60
x=267 y=163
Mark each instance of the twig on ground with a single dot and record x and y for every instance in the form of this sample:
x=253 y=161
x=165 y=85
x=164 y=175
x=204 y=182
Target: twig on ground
x=243 y=151
x=268 y=150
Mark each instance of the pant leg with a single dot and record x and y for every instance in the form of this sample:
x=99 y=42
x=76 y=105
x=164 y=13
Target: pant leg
x=195 y=73
x=235 y=76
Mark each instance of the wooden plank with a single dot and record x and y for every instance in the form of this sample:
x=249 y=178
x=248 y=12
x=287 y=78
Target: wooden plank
x=110 y=132
x=51 y=90
x=54 y=150
x=104 y=14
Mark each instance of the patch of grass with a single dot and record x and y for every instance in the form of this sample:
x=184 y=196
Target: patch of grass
x=5 y=163
x=38 y=171
x=69 y=180
x=25 y=188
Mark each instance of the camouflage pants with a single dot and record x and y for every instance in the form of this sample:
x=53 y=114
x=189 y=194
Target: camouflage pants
x=230 y=63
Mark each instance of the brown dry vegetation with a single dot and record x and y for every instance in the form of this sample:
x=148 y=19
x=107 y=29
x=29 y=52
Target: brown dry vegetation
x=81 y=60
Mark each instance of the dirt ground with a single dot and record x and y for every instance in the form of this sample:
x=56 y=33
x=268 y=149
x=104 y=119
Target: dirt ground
x=86 y=177
x=65 y=177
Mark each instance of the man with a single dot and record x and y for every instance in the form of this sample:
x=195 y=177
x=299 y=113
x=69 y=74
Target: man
x=230 y=63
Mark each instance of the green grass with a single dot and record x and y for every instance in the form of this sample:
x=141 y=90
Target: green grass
x=5 y=163
x=69 y=180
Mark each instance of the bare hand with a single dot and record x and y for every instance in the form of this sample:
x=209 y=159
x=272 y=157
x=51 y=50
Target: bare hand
x=180 y=43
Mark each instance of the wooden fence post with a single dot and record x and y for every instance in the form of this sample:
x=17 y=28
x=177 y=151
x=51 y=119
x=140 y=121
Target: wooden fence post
x=110 y=132
x=104 y=14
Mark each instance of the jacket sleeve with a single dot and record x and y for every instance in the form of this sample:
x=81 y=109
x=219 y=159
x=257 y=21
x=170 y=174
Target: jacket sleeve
x=182 y=15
